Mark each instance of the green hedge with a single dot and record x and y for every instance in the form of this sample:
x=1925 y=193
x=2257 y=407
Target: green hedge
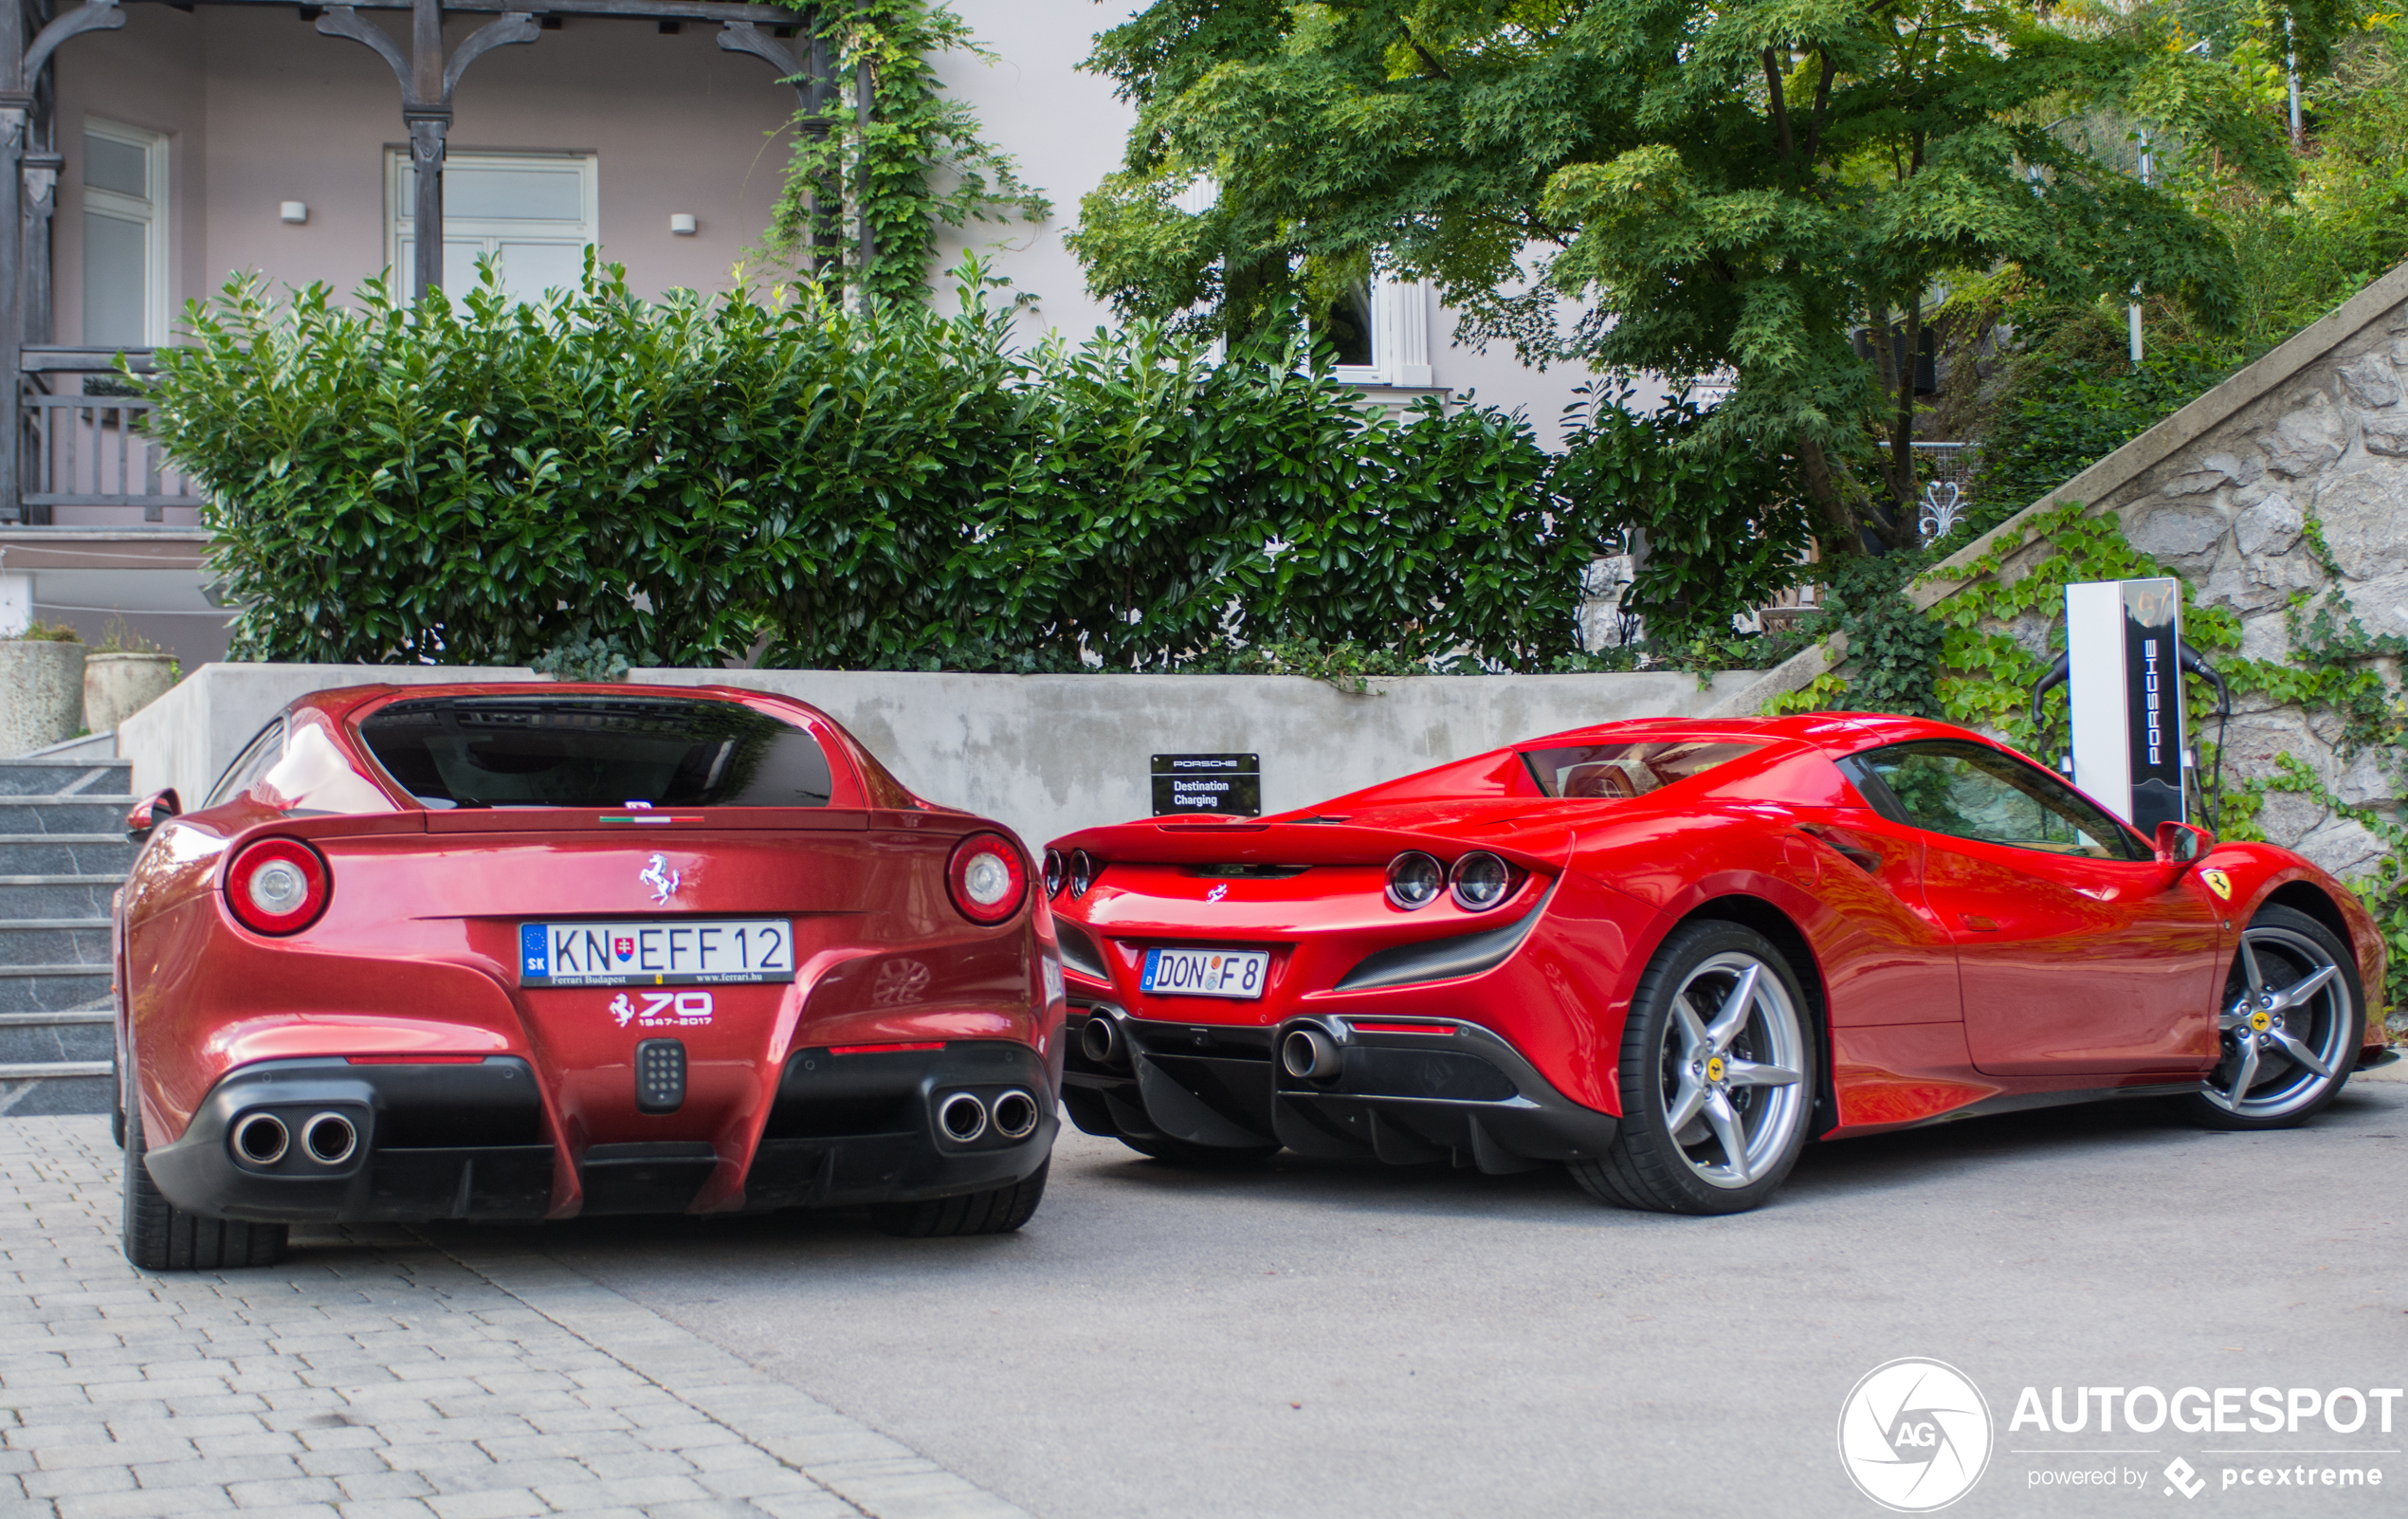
x=474 y=481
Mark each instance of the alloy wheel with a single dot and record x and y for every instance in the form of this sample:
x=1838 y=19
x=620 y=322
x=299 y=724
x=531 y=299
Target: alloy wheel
x=1733 y=1059
x=2286 y=1022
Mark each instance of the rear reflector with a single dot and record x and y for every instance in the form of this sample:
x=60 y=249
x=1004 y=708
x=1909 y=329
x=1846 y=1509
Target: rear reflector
x=881 y=1049
x=1360 y=1026
x=415 y=1060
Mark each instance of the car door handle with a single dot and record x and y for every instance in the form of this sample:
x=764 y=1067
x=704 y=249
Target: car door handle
x=1979 y=924
x=1869 y=861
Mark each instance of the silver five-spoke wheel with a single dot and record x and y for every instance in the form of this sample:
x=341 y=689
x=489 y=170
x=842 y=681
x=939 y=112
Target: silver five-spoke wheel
x=1717 y=1076
x=1733 y=1082
x=2289 y=1022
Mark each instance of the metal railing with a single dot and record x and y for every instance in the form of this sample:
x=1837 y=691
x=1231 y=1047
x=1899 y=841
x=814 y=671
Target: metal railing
x=85 y=448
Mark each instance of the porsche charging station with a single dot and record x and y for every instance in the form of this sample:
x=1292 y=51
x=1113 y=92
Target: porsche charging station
x=2123 y=667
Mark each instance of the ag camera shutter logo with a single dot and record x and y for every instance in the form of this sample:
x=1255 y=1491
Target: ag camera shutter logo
x=1914 y=1434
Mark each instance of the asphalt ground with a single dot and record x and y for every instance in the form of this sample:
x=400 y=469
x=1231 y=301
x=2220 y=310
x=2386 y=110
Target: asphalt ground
x=1308 y=1338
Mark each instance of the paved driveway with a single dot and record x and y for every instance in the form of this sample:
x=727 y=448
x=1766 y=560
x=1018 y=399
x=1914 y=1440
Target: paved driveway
x=1315 y=1339
x=1305 y=1339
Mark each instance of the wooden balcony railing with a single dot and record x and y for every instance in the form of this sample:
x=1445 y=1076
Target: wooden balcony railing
x=86 y=449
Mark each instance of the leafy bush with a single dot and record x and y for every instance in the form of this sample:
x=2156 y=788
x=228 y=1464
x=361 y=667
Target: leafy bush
x=2066 y=413
x=1724 y=522
x=685 y=482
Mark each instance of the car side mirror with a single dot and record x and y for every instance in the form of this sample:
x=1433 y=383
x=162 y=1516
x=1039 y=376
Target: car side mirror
x=2182 y=843
x=150 y=813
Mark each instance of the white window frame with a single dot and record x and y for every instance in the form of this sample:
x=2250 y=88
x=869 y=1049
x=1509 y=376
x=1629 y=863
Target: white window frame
x=1399 y=336
x=151 y=216
x=400 y=193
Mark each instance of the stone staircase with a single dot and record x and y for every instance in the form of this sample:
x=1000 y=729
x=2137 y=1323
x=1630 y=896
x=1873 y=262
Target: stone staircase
x=63 y=855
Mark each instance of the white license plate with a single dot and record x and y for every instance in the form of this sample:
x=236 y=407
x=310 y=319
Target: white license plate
x=711 y=952
x=1238 y=973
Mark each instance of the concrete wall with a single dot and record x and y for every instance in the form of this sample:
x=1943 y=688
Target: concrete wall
x=1044 y=753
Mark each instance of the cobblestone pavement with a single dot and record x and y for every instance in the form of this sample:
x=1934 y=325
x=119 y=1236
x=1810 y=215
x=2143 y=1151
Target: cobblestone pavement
x=384 y=1378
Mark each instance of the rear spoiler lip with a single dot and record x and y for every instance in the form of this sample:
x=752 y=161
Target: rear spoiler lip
x=584 y=822
x=1194 y=841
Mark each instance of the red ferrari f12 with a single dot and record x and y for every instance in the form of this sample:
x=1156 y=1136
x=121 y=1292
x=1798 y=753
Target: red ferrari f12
x=1666 y=953
x=529 y=952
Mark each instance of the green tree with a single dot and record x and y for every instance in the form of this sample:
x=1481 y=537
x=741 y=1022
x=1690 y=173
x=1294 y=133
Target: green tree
x=1662 y=185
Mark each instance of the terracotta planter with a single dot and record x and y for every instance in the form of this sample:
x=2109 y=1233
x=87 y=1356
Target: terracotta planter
x=41 y=695
x=117 y=685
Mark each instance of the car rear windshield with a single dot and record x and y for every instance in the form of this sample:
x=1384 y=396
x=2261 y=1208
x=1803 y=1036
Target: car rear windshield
x=595 y=751
x=1591 y=771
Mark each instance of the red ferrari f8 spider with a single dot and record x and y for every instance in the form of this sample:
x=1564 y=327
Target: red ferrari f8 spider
x=531 y=952
x=1666 y=953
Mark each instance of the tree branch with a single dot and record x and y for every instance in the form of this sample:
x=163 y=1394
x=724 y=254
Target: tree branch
x=1780 y=107
x=1822 y=106
x=1434 y=67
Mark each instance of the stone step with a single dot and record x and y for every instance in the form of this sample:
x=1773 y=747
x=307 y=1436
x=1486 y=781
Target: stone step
x=52 y=1038
x=63 y=814
x=56 y=896
x=53 y=988
x=57 y=1092
x=53 y=777
x=56 y=941
x=104 y=854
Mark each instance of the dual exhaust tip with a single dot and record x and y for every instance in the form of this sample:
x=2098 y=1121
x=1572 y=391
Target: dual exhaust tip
x=264 y=1139
x=963 y=1117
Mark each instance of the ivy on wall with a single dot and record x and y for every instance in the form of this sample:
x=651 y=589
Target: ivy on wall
x=1944 y=660
x=919 y=165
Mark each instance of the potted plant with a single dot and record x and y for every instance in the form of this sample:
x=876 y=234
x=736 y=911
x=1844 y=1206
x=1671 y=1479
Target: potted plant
x=41 y=688
x=125 y=673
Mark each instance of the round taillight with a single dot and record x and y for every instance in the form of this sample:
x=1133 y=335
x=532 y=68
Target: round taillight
x=278 y=886
x=1414 y=880
x=986 y=878
x=1481 y=881
x=1056 y=872
x=1083 y=869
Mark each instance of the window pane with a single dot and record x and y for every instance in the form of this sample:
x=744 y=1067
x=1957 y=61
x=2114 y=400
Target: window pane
x=118 y=165
x=1966 y=791
x=116 y=281
x=528 y=269
x=1347 y=329
x=548 y=193
x=595 y=751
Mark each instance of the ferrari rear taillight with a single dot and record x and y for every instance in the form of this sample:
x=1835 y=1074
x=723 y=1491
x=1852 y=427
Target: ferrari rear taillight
x=1481 y=881
x=278 y=886
x=986 y=878
x=1416 y=880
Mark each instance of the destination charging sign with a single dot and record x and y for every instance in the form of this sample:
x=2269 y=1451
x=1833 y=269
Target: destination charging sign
x=2123 y=644
x=1229 y=783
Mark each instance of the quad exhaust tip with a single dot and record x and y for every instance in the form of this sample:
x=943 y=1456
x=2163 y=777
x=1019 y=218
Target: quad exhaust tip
x=962 y=1117
x=330 y=1139
x=1016 y=1114
x=1309 y=1055
x=262 y=1138
x=1100 y=1041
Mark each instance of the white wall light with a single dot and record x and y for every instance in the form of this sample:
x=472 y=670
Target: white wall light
x=682 y=224
x=294 y=210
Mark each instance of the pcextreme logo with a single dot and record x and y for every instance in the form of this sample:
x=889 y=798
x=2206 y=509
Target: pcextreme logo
x=1914 y=1434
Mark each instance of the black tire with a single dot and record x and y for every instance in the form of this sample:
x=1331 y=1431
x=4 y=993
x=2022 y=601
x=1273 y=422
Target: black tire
x=162 y=1238
x=1203 y=1157
x=116 y=1105
x=1648 y=1165
x=996 y=1212
x=2282 y=1091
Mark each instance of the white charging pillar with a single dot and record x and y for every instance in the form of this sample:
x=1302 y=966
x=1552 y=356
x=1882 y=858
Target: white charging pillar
x=2123 y=643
